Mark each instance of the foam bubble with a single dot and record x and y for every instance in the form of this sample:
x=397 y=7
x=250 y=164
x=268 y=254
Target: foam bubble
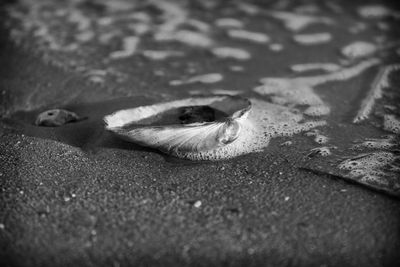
x=296 y=22
x=368 y=162
x=225 y=92
x=276 y=47
x=229 y=23
x=375 y=11
x=256 y=37
x=187 y=37
x=215 y=92
x=377 y=143
x=358 y=49
x=287 y=143
x=329 y=67
x=318 y=137
x=373 y=167
x=322 y=151
x=231 y=52
x=391 y=124
x=313 y=38
x=205 y=78
x=236 y=68
x=161 y=55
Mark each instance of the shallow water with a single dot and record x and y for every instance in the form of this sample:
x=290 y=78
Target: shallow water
x=111 y=49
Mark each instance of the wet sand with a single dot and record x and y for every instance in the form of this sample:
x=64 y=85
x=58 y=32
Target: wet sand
x=77 y=195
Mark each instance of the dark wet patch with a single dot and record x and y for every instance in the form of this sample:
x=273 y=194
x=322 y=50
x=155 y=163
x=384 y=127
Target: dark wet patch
x=87 y=134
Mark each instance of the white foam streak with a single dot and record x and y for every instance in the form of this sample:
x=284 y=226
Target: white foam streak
x=129 y=48
x=256 y=37
x=329 y=67
x=296 y=22
x=231 y=52
x=312 y=38
x=380 y=82
x=300 y=90
x=359 y=49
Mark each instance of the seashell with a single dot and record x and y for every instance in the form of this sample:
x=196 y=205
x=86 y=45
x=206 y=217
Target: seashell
x=193 y=128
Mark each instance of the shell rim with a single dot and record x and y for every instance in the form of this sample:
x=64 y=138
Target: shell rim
x=241 y=112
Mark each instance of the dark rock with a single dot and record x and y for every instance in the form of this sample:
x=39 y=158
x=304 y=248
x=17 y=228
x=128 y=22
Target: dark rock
x=56 y=117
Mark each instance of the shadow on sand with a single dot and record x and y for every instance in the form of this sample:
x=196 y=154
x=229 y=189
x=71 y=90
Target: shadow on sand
x=88 y=134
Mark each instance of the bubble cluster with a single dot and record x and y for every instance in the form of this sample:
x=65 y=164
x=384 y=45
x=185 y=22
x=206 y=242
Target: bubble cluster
x=322 y=151
x=359 y=49
x=372 y=167
x=386 y=142
x=264 y=122
x=318 y=137
x=391 y=123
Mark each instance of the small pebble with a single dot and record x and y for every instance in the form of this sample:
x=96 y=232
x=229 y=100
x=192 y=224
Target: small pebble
x=276 y=47
x=56 y=117
x=197 y=204
x=236 y=68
